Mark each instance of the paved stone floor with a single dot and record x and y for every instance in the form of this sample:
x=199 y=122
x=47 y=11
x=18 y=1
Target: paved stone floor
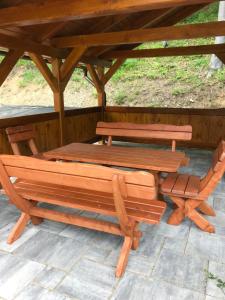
x=54 y=261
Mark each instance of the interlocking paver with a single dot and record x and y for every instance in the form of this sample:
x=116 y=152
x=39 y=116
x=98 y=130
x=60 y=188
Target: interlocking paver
x=181 y=270
x=51 y=249
x=50 y=277
x=15 y=274
x=89 y=280
x=38 y=293
x=4 y=232
x=207 y=246
x=133 y=287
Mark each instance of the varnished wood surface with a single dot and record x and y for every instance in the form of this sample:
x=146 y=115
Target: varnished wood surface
x=80 y=126
x=128 y=195
x=191 y=192
x=208 y=124
x=139 y=158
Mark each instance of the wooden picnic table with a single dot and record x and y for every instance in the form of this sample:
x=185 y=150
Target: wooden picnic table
x=130 y=157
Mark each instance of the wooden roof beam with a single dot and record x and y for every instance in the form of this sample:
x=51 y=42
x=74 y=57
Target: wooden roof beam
x=51 y=11
x=165 y=52
x=8 y=63
x=12 y=42
x=192 y=31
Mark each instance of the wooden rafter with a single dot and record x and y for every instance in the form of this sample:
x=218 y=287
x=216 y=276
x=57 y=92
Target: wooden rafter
x=95 y=78
x=173 y=51
x=71 y=61
x=12 y=42
x=45 y=71
x=192 y=31
x=8 y=63
x=113 y=70
x=52 y=11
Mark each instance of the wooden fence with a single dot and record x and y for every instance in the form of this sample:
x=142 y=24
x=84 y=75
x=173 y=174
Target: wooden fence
x=208 y=124
x=80 y=126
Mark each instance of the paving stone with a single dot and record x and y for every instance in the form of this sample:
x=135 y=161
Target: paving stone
x=4 y=232
x=171 y=231
x=8 y=212
x=50 y=226
x=211 y=288
x=49 y=278
x=219 y=204
x=97 y=254
x=150 y=245
x=15 y=274
x=89 y=280
x=38 y=293
x=212 y=298
x=183 y=271
x=136 y=263
x=51 y=249
x=205 y=245
x=177 y=245
x=218 y=220
x=80 y=234
x=133 y=287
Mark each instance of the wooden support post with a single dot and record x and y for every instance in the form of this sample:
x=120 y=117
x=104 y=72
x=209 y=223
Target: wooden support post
x=59 y=97
x=97 y=78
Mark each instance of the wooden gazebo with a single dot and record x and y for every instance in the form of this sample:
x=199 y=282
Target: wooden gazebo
x=98 y=35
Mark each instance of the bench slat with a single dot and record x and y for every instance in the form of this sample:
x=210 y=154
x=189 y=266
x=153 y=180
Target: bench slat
x=169 y=182
x=146 y=213
x=180 y=184
x=193 y=186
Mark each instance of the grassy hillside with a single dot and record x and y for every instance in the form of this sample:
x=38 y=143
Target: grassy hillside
x=174 y=82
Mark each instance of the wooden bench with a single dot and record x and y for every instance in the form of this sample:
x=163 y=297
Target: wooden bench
x=127 y=195
x=144 y=131
x=191 y=192
x=22 y=134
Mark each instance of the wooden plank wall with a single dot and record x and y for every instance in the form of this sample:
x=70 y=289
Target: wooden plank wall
x=208 y=124
x=80 y=127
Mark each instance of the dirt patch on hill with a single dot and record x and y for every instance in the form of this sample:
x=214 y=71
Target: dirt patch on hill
x=137 y=92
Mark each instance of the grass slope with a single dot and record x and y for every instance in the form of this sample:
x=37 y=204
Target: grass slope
x=170 y=81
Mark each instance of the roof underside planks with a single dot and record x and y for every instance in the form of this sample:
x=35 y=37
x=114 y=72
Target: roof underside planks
x=51 y=28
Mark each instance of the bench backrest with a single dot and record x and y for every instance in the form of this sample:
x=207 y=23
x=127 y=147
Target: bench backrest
x=144 y=131
x=18 y=134
x=136 y=184
x=215 y=173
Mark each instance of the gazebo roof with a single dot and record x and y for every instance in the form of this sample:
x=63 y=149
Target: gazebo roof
x=51 y=28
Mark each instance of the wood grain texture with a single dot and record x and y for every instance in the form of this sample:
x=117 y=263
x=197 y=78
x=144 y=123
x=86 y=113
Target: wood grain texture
x=80 y=126
x=208 y=125
x=139 y=158
x=82 y=186
x=190 y=192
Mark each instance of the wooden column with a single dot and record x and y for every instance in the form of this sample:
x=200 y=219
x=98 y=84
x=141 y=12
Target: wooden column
x=102 y=94
x=59 y=97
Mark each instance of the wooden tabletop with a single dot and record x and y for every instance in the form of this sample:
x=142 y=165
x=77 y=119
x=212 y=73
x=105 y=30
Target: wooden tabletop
x=131 y=157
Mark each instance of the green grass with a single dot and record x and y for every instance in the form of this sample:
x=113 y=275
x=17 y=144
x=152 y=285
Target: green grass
x=187 y=69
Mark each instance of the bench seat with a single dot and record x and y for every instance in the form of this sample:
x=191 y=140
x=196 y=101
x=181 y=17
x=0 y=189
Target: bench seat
x=182 y=185
x=149 y=211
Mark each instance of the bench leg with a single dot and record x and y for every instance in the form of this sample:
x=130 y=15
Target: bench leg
x=18 y=228
x=35 y=220
x=124 y=254
x=178 y=215
x=136 y=237
x=206 y=209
